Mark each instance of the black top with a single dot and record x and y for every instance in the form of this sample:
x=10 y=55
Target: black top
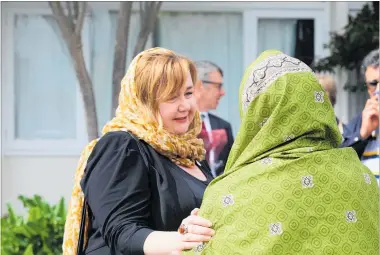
x=128 y=200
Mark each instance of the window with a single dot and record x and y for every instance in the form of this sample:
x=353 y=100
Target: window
x=43 y=76
x=43 y=106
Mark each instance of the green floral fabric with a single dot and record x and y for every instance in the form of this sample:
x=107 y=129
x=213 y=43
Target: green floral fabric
x=287 y=187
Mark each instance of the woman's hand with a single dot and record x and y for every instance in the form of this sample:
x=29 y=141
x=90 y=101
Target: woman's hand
x=194 y=230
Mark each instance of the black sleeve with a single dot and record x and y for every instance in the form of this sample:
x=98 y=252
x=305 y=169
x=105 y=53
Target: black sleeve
x=116 y=187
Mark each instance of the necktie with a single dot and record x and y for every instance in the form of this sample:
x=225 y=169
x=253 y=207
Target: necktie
x=205 y=138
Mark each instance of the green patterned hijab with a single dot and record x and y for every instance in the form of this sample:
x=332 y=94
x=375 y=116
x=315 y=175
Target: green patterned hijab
x=287 y=188
x=284 y=112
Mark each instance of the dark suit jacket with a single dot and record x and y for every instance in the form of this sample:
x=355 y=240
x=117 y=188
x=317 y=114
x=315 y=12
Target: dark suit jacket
x=219 y=123
x=351 y=136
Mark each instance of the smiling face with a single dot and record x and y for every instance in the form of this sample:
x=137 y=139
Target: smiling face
x=178 y=112
x=164 y=85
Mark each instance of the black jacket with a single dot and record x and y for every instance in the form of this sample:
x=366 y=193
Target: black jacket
x=128 y=199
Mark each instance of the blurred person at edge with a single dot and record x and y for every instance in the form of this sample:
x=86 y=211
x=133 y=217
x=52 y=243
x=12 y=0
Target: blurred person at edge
x=329 y=85
x=364 y=137
x=216 y=132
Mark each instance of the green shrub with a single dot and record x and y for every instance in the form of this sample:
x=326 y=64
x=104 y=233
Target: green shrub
x=40 y=232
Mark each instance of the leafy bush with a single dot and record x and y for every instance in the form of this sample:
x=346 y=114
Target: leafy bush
x=40 y=232
x=360 y=36
x=348 y=49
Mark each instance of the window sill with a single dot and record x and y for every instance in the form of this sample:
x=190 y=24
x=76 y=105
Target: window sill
x=43 y=148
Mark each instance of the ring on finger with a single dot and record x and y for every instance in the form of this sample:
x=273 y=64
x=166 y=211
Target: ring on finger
x=183 y=229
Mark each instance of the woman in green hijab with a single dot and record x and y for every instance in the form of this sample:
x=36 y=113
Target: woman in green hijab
x=287 y=187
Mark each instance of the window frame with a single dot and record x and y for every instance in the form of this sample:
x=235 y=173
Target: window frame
x=46 y=147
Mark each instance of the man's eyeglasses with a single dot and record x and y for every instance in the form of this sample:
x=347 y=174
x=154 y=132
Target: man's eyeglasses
x=372 y=83
x=220 y=85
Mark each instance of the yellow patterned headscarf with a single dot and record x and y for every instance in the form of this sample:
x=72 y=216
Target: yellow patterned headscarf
x=130 y=116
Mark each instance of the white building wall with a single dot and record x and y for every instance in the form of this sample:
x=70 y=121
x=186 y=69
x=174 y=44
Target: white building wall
x=49 y=177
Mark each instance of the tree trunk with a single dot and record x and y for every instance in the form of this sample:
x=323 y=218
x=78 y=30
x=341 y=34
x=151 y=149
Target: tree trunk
x=120 y=53
x=71 y=31
x=148 y=19
x=86 y=88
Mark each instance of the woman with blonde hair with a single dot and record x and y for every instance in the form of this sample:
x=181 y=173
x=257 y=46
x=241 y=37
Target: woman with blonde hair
x=287 y=187
x=140 y=182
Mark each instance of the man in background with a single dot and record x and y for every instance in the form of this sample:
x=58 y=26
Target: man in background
x=216 y=132
x=365 y=126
